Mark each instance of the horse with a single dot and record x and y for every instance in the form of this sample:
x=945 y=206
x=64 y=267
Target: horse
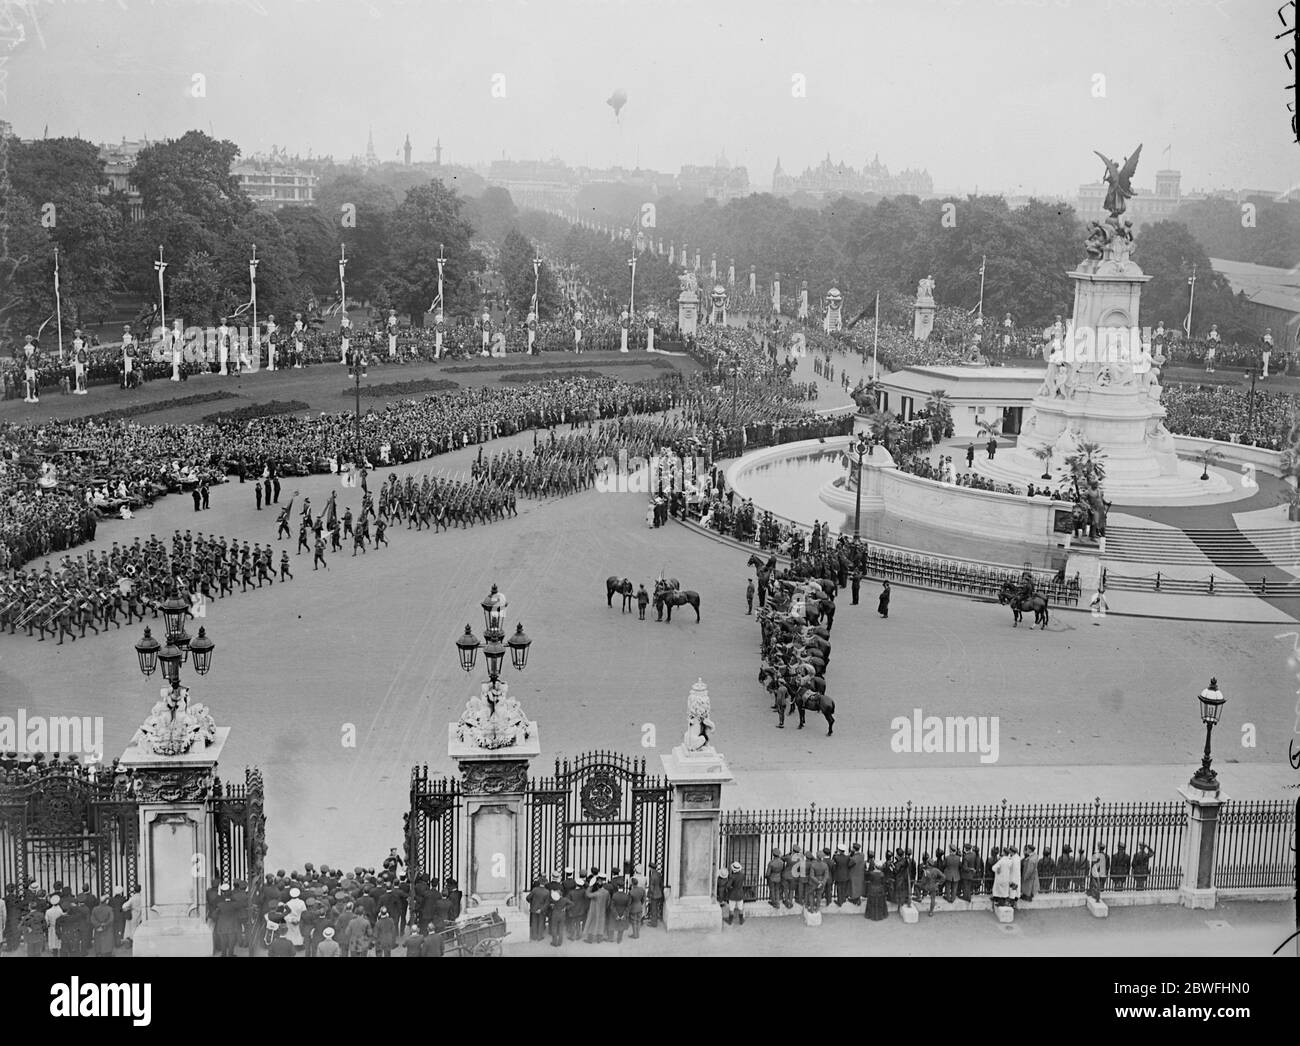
x=1021 y=601
x=765 y=574
x=808 y=701
x=670 y=597
x=620 y=585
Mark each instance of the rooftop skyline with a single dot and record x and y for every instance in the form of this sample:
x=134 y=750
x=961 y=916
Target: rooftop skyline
x=701 y=79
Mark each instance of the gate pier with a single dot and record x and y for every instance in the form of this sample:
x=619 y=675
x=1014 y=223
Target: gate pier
x=690 y=881
x=176 y=845
x=490 y=859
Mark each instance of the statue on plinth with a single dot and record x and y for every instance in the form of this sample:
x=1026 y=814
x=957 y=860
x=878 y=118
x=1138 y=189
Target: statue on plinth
x=687 y=283
x=1160 y=438
x=1119 y=182
x=493 y=719
x=925 y=289
x=698 y=723
x=834 y=303
x=175 y=726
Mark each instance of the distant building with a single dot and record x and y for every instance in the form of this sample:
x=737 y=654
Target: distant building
x=1145 y=206
x=835 y=179
x=721 y=182
x=534 y=183
x=272 y=183
x=119 y=163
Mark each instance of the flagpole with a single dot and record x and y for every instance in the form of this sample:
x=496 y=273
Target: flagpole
x=875 y=338
x=161 y=265
x=252 y=280
x=983 y=259
x=58 y=304
x=1191 y=298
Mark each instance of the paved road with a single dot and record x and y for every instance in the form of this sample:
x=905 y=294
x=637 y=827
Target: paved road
x=338 y=682
x=1233 y=929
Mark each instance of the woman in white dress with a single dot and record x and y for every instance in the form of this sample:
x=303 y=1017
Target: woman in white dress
x=293 y=920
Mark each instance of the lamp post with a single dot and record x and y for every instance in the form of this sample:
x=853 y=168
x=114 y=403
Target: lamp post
x=178 y=648
x=862 y=448
x=1212 y=702
x=494 y=644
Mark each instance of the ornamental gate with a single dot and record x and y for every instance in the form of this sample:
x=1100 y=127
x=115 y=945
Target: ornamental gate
x=600 y=811
x=432 y=825
x=238 y=829
x=63 y=822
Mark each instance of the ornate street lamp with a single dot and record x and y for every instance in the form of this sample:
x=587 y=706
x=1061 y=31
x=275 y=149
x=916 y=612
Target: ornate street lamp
x=494 y=644
x=178 y=646
x=147 y=651
x=1212 y=702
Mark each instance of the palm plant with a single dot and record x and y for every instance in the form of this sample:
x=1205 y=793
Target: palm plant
x=1087 y=466
x=1044 y=454
x=1209 y=456
x=939 y=407
x=990 y=429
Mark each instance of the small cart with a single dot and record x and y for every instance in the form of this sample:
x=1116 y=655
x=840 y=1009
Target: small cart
x=480 y=935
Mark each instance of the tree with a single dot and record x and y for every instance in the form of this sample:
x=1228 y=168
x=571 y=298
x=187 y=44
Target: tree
x=1167 y=251
x=515 y=263
x=360 y=208
x=191 y=175
x=492 y=215
x=431 y=216
x=64 y=179
x=194 y=292
x=315 y=243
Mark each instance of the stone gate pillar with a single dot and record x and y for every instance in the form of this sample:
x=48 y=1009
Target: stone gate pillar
x=176 y=863
x=492 y=849
x=1197 y=889
x=697 y=774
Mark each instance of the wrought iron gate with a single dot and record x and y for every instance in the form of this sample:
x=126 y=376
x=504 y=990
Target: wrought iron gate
x=64 y=822
x=432 y=825
x=600 y=811
x=238 y=829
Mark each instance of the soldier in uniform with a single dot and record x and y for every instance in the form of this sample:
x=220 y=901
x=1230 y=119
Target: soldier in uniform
x=1141 y=866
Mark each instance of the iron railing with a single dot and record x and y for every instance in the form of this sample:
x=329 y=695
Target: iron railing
x=1256 y=844
x=750 y=837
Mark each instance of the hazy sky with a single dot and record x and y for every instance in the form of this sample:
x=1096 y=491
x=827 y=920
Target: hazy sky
x=990 y=93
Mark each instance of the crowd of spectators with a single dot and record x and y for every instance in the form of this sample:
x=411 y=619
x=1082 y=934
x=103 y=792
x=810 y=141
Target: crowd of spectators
x=1226 y=413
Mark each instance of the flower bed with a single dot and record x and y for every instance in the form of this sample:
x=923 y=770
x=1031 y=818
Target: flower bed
x=127 y=413
x=256 y=410
x=397 y=389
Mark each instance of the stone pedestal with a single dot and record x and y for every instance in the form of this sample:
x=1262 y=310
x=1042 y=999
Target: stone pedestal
x=909 y=914
x=1097 y=909
x=690 y=881
x=1005 y=913
x=492 y=846
x=177 y=864
x=922 y=318
x=688 y=312
x=1197 y=889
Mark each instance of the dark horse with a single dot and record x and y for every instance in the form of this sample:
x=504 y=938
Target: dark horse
x=808 y=700
x=669 y=597
x=765 y=573
x=1022 y=599
x=623 y=587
